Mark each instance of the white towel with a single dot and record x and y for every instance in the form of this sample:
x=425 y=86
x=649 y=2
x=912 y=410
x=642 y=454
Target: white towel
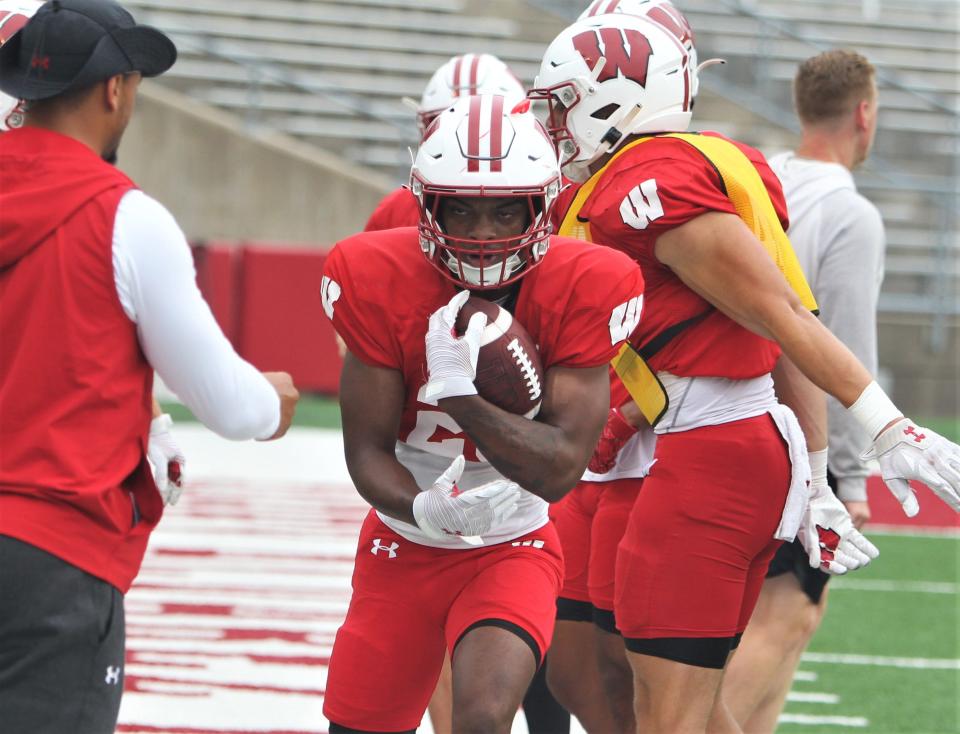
x=798 y=496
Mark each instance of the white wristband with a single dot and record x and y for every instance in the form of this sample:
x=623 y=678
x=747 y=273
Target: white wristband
x=818 y=467
x=873 y=410
x=161 y=423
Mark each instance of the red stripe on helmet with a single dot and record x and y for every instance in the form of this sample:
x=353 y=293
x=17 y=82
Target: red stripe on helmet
x=496 y=134
x=474 y=69
x=456 y=76
x=473 y=135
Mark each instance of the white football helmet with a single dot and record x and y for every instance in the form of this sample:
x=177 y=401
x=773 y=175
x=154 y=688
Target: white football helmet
x=663 y=12
x=610 y=76
x=483 y=147
x=14 y=15
x=463 y=76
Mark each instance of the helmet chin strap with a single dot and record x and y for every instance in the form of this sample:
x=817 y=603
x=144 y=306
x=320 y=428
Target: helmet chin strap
x=612 y=137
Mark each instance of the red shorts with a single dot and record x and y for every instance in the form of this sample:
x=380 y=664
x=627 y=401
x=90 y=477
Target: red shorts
x=573 y=519
x=609 y=525
x=411 y=602
x=590 y=524
x=700 y=536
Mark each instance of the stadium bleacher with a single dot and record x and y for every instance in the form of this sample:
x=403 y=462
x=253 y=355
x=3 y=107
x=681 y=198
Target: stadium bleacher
x=334 y=74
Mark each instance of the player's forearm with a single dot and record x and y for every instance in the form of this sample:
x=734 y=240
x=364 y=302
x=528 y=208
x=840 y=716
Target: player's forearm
x=383 y=482
x=819 y=355
x=805 y=399
x=537 y=456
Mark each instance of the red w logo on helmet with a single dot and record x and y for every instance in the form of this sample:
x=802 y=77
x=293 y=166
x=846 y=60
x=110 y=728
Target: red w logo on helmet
x=626 y=55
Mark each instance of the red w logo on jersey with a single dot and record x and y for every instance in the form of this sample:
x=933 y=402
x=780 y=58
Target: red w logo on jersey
x=626 y=55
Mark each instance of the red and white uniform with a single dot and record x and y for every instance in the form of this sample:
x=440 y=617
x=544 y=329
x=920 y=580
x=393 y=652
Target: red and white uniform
x=414 y=596
x=386 y=291
x=701 y=532
x=593 y=517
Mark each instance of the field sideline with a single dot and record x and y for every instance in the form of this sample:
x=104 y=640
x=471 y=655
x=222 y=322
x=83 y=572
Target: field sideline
x=247 y=579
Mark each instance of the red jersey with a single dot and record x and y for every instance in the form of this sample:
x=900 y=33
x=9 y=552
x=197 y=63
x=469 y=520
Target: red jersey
x=399 y=208
x=650 y=189
x=387 y=291
x=74 y=384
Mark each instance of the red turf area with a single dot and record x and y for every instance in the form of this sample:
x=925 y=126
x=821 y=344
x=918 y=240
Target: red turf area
x=885 y=510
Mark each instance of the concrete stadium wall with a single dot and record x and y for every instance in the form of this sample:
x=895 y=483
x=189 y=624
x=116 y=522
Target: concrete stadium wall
x=925 y=383
x=223 y=181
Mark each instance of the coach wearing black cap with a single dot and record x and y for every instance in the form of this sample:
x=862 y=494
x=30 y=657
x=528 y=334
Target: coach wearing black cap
x=97 y=289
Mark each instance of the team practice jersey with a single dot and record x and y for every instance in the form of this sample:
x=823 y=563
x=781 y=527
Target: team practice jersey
x=378 y=289
x=653 y=188
x=399 y=208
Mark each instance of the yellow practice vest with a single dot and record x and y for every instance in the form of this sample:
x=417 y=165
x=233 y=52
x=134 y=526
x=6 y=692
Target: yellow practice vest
x=750 y=199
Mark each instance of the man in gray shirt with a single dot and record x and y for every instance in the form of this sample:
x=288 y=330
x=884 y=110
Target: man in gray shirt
x=838 y=237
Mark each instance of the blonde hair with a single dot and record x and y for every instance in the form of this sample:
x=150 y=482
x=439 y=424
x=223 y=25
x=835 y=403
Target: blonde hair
x=831 y=84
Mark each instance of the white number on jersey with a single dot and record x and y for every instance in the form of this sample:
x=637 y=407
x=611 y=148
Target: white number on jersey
x=624 y=319
x=437 y=433
x=642 y=205
x=329 y=293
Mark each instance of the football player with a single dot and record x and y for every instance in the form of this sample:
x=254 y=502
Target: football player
x=461 y=76
x=704 y=217
x=587 y=668
x=457 y=553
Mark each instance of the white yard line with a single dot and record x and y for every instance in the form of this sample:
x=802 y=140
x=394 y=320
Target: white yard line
x=914 y=531
x=907 y=587
x=882 y=661
x=813 y=697
x=805 y=676
x=858 y=722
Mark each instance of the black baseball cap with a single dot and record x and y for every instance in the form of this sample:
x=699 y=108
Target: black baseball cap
x=72 y=44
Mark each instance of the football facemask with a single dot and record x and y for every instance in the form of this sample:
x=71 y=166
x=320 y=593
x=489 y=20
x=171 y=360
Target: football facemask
x=14 y=15
x=479 y=148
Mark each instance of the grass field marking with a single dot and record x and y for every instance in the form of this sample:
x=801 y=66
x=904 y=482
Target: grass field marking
x=805 y=676
x=926 y=531
x=882 y=661
x=858 y=722
x=909 y=587
x=813 y=697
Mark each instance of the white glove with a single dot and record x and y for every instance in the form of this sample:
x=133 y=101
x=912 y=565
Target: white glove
x=827 y=533
x=452 y=360
x=166 y=459
x=906 y=451
x=443 y=510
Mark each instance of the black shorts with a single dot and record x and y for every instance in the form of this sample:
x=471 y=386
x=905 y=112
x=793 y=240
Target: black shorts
x=61 y=645
x=792 y=558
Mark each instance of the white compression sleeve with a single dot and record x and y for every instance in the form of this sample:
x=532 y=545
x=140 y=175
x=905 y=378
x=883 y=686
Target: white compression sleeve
x=156 y=284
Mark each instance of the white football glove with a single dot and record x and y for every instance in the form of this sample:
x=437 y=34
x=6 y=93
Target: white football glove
x=827 y=533
x=443 y=510
x=166 y=459
x=906 y=451
x=452 y=360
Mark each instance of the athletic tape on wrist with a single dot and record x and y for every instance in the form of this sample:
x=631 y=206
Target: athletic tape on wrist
x=874 y=410
x=818 y=466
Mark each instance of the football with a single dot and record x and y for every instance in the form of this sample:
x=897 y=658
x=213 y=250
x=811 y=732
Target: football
x=509 y=371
